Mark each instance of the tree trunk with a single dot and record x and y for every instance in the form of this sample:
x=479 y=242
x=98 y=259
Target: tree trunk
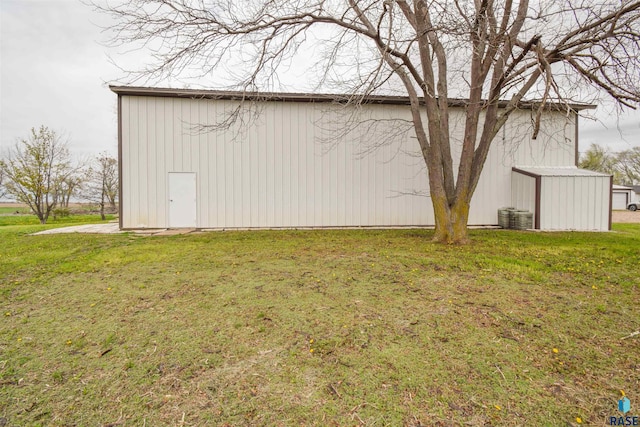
x=102 y=203
x=451 y=221
x=42 y=218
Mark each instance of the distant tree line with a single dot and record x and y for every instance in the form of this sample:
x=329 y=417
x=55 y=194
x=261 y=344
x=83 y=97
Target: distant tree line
x=39 y=172
x=624 y=165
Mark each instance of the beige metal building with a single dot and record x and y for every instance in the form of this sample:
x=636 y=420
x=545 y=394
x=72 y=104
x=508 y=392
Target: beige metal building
x=300 y=160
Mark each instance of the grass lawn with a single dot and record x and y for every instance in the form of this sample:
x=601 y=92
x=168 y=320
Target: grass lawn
x=318 y=328
x=14 y=210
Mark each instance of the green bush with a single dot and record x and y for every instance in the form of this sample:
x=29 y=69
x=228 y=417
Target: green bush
x=61 y=213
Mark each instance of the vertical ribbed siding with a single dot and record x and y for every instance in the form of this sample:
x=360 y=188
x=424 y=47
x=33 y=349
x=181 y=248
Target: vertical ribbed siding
x=566 y=201
x=574 y=203
x=279 y=172
x=523 y=192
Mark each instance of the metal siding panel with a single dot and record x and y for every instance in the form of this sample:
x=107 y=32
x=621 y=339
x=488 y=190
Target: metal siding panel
x=236 y=170
x=245 y=196
x=566 y=207
x=546 y=203
x=269 y=136
x=165 y=150
x=225 y=179
x=559 y=215
x=229 y=177
x=151 y=187
x=581 y=197
x=587 y=197
x=250 y=199
x=202 y=168
x=294 y=165
x=340 y=196
x=357 y=182
x=177 y=136
x=345 y=179
x=193 y=136
x=285 y=170
x=388 y=211
x=319 y=197
x=129 y=120
x=593 y=211
x=306 y=178
x=142 y=165
x=602 y=214
x=605 y=204
x=134 y=154
x=335 y=202
x=560 y=207
x=217 y=179
x=596 y=215
x=365 y=190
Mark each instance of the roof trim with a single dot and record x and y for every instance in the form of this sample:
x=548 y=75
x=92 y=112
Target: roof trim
x=621 y=187
x=542 y=171
x=312 y=97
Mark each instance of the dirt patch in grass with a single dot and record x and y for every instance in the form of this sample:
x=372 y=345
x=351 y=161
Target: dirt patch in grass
x=318 y=328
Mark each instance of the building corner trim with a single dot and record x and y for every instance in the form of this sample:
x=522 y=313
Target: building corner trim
x=120 y=210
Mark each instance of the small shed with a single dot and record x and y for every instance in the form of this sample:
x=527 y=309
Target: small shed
x=621 y=196
x=563 y=198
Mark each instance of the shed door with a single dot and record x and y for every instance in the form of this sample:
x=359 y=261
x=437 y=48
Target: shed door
x=182 y=200
x=620 y=200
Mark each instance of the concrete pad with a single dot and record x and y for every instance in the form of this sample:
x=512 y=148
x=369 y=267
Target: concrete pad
x=113 y=228
x=109 y=228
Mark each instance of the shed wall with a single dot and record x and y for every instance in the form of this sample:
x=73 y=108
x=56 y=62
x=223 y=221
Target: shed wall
x=575 y=203
x=293 y=166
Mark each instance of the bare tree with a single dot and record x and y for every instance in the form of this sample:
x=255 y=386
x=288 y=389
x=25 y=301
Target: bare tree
x=3 y=192
x=35 y=170
x=102 y=182
x=70 y=186
x=494 y=53
x=624 y=166
x=628 y=165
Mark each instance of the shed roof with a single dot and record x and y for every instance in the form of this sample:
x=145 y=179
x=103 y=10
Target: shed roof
x=314 y=97
x=557 y=171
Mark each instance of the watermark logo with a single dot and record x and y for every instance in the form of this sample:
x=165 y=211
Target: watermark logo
x=624 y=406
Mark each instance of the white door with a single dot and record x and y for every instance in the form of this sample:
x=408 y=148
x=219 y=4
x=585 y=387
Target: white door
x=182 y=200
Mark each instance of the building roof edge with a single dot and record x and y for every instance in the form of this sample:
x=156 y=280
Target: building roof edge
x=313 y=97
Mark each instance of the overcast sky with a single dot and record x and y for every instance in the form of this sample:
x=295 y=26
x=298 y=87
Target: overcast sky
x=55 y=72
